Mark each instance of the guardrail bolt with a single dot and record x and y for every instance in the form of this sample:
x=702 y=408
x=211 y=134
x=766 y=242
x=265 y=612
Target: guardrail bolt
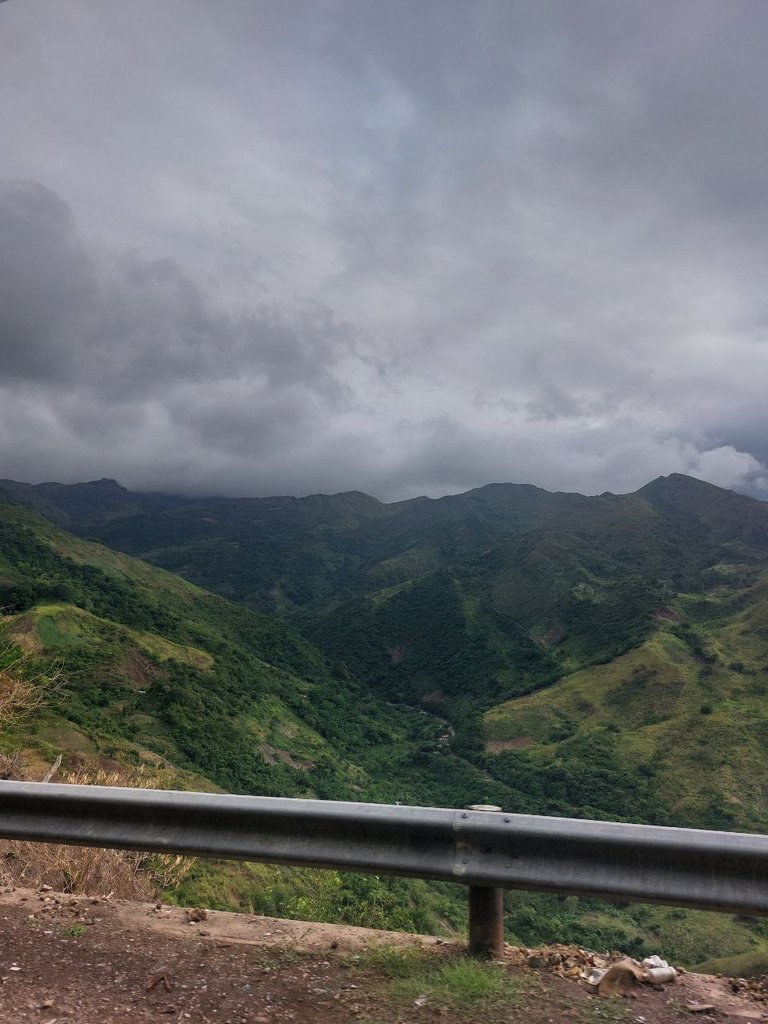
x=486 y=913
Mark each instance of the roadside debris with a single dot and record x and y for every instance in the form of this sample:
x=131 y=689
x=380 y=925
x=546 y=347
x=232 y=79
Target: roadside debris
x=162 y=977
x=625 y=974
x=609 y=974
x=756 y=988
x=567 y=961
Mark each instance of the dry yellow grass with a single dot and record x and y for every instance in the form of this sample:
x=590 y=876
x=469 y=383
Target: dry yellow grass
x=22 y=692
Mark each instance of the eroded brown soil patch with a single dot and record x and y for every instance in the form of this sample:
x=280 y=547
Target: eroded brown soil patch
x=274 y=754
x=140 y=670
x=518 y=743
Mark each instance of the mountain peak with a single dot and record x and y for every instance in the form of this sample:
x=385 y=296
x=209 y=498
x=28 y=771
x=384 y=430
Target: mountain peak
x=107 y=483
x=725 y=512
x=678 y=483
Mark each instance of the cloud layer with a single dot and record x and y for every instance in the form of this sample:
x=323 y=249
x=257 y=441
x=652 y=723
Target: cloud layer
x=255 y=248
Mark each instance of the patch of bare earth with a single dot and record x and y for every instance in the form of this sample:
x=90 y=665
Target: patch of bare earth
x=273 y=754
x=551 y=637
x=518 y=743
x=140 y=670
x=23 y=631
x=90 y=960
x=667 y=615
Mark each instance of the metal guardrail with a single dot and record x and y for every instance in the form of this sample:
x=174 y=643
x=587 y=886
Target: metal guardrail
x=485 y=850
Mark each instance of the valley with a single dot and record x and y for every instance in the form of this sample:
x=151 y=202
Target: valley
x=602 y=657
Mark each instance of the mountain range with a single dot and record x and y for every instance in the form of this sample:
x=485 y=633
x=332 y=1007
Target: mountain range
x=601 y=656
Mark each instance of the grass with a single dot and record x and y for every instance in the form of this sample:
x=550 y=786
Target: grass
x=462 y=984
x=58 y=625
x=688 y=706
x=660 y=668
x=74 y=931
x=696 y=935
x=611 y=1010
x=447 y=980
x=163 y=649
x=753 y=964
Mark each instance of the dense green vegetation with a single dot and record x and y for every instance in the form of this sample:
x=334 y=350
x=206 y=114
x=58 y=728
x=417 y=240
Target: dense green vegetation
x=600 y=657
x=479 y=596
x=237 y=696
x=151 y=666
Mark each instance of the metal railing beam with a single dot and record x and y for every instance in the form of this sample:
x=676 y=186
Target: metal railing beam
x=684 y=867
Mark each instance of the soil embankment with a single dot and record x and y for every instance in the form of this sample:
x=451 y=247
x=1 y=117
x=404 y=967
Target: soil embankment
x=88 y=960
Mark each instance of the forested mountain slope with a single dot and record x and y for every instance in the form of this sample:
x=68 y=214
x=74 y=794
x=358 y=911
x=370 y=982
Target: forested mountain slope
x=140 y=671
x=463 y=601
x=151 y=663
x=593 y=655
x=602 y=657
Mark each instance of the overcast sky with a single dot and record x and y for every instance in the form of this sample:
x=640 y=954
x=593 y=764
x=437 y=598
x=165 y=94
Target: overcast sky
x=400 y=246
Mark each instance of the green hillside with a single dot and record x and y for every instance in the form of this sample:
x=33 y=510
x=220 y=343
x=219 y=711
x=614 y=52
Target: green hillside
x=240 y=697
x=529 y=584
x=554 y=639
x=155 y=672
x=672 y=732
x=603 y=657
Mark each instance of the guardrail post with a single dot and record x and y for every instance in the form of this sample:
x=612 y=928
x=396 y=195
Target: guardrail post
x=486 y=913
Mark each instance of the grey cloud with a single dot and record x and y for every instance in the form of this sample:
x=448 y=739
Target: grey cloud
x=44 y=276
x=390 y=246
x=128 y=352
x=127 y=324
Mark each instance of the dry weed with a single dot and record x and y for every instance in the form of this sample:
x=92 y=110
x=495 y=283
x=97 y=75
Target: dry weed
x=91 y=871
x=12 y=765
x=22 y=691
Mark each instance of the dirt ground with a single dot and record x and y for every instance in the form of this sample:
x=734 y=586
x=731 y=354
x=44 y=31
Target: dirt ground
x=97 y=961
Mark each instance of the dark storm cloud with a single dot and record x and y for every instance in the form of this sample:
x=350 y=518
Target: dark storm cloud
x=130 y=326
x=44 y=277
x=401 y=247
x=97 y=351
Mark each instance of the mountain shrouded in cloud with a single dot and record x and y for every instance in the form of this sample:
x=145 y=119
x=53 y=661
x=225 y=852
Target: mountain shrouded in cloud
x=250 y=248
